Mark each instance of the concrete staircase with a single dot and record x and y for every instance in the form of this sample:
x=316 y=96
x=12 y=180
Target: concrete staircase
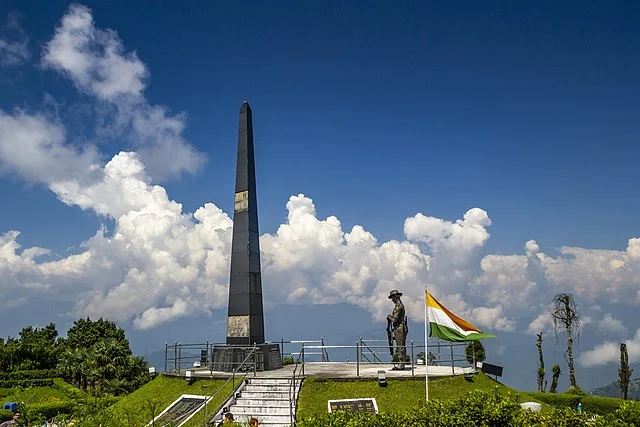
x=266 y=399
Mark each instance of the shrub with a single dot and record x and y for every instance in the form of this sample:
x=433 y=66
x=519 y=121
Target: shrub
x=591 y=404
x=29 y=375
x=69 y=390
x=26 y=383
x=288 y=360
x=5 y=415
x=487 y=409
x=51 y=409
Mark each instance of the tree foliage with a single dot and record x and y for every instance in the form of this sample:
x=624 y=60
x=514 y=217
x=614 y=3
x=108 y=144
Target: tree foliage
x=95 y=356
x=475 y=349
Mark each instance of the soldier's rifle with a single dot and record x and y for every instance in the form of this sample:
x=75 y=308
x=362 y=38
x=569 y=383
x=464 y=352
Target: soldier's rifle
x=390 y=336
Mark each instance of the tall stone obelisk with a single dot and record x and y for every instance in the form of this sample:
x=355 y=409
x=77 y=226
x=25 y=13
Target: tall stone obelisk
x=245 y=317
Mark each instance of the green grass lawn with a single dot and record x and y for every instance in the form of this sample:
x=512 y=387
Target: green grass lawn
x=39 y=395
x=398 y=396
x=155 y=396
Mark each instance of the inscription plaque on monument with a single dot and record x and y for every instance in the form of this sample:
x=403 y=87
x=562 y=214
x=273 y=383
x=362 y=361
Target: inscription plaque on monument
x=179 y=411
x=367 y=404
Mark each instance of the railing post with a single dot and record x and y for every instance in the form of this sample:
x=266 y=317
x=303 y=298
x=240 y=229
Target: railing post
x=439 y=360
x=213 y=346
x=473 y=352
x=302 y=356
x=322 y=349
x=166 y=349
x=358 y=358
x=255 y=361
x=179 y=358
x=175 y=357
x=413 y=371
x=282 y=350
x=453 y=370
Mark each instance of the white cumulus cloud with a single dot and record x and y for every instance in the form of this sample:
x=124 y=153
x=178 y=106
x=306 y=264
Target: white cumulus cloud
x=609 y=352
x=99 y=65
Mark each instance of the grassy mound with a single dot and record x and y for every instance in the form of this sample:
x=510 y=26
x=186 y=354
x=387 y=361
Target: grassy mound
x=398 y=396
x=152 y=398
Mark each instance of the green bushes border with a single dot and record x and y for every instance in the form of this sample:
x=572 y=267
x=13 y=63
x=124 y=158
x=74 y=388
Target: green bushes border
x=45 y=382
x=592 y=404
x=5 y=415
x=34 y=374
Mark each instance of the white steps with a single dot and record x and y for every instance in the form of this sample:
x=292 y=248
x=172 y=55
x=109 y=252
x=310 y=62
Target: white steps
x=267 y=399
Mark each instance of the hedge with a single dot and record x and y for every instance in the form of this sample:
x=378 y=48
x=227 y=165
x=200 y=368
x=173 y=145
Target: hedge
x=35 y=374
x=592 y=404
x=68 y=389
x=484 y=409
x=51 y=409
x=5 y=415
x=26 y=383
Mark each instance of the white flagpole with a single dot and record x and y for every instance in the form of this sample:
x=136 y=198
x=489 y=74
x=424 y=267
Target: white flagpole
x=426 y=345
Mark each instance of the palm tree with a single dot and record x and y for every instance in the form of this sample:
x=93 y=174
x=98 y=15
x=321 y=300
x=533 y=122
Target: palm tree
x=564 y=312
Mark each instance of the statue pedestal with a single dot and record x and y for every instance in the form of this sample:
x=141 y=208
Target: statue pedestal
x=226 y=358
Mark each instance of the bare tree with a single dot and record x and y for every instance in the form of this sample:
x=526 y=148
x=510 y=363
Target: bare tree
x=565 y=315
x=624 y=373
x=541 y=372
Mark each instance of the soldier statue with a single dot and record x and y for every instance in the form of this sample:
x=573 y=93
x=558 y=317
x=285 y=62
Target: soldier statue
x=398 y=322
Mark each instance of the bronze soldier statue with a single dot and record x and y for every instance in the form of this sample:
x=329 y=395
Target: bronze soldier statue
x=398 y=321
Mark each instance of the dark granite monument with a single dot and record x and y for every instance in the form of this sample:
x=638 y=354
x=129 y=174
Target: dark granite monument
x=245 y=323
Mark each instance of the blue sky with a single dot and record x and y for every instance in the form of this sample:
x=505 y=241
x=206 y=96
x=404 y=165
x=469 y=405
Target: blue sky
x=527 y=112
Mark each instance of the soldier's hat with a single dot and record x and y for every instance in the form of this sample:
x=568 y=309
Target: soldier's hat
x=394 y=293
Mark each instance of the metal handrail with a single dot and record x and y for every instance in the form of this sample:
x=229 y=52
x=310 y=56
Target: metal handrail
x=292 y=392
x=252 y=352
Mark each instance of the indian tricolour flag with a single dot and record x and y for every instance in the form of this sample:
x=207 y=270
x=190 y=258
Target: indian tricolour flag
x=445 y=325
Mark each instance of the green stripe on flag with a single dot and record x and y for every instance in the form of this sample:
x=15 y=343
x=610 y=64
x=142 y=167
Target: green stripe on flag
x=448 y=334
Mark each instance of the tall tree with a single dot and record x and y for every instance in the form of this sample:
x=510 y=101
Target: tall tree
x=624 y=373
x=541 y=372
x=475 y=352
x=565 y=316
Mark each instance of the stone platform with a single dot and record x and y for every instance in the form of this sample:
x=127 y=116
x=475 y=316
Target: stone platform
x=341 y=370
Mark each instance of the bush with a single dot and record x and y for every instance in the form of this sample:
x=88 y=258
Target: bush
x=477 y=409
x=26 y=383
x=5 y=415
x=592 y=404
x=288 y=360
x=69 y=390
x=29 y=375
x=51 y=409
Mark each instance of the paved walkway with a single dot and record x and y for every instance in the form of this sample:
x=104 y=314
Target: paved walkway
x=340 y=370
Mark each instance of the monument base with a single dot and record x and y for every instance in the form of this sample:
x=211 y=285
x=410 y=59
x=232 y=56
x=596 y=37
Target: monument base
x=227 y=358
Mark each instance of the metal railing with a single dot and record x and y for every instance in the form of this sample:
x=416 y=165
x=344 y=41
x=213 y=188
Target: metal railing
x=369 y=353
x=180 y=356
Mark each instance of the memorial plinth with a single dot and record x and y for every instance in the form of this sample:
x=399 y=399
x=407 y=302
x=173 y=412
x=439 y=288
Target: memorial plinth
x=227 y=358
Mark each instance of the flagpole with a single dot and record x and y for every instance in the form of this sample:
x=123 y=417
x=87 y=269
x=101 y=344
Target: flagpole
x=426 y=345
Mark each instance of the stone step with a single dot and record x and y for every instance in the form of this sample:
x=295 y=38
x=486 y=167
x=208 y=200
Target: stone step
x=265 y=394
x=263 y=419
x=253 y=410
x=257 y=402
x=286 y=381
x=267 y=387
